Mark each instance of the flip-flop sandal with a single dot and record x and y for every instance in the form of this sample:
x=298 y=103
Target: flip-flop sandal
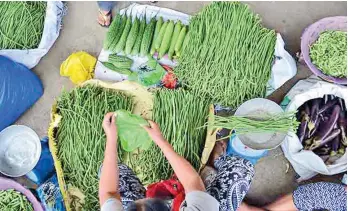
x=105 y=17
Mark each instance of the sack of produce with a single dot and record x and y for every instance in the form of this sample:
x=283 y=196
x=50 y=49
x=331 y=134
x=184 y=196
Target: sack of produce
x=20 y=89
x=320 y=143
x=29 y=29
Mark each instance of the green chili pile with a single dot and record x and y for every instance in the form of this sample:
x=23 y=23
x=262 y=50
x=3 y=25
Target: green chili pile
x=179 y=114
x=81 y=139
x=329 y=53
x=11 y=200
x=229 y=54
x=21 y=24
x=282 y=122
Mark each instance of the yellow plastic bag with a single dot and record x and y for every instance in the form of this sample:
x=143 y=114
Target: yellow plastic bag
x=79 y=67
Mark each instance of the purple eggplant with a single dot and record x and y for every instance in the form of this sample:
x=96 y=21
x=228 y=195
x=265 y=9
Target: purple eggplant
x=334 y=146
x=314 y=114
x=317 y=142
x=342 y=124
x=325 y=128
x=303 y=126
x=327 y=106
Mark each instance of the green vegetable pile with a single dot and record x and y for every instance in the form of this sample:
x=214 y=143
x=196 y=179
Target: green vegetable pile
x=179 y=114
x=133 y=36
x=282 y=122
x=229 y=54
x=81 y=139
x=11 y=200
x=21 y=24
x=329 y=53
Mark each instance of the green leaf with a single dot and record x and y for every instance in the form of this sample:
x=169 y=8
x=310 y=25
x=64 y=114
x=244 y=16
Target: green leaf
x=130 y=132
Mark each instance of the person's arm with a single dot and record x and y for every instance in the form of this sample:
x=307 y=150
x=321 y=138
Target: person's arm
x=109 y=177
x=186 y=174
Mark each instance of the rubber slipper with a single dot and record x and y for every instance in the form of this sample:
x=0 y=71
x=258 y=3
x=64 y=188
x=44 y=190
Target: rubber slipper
x=105 y=17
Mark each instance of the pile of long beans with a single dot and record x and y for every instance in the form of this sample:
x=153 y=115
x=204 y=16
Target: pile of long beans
x=282 y=122
x=21 y=24
x=179 y=113
x=11 y=200
x=229 y=54
x=81 y=139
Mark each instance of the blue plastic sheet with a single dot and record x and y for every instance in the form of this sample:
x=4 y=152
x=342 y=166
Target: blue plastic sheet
x=20 y=88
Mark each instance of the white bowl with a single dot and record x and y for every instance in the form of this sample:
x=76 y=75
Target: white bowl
x=20 y=150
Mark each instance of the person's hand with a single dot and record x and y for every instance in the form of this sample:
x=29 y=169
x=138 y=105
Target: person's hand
x=154 y=132
x=109 y=126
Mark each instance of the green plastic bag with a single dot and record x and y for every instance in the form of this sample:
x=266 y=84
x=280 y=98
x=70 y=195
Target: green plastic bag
x=130 y=132
x=151 y=73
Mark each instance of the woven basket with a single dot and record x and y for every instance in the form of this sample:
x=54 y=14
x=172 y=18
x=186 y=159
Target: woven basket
x=311 y=34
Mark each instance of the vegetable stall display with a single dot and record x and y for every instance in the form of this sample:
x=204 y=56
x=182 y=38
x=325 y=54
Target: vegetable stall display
x=81 y=140
x=329 y=53
x=21 y=24
x=323 y=127
x=11 y=200
x=228 y=55
x=134 y=36
x=179 y=114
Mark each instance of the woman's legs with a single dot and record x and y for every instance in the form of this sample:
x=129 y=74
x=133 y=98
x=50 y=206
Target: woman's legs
x=314 y=196
x=232 y=182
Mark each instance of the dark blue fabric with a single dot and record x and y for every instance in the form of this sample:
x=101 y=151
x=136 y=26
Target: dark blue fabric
x=20 y=88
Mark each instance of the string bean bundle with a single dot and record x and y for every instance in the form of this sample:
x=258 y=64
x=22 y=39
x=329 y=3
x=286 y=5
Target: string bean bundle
x=11 y=200
x=282 y=122
x=329 y=53
x=229 y=54
x=21 y=24
x=179 y=114
x=81 y=139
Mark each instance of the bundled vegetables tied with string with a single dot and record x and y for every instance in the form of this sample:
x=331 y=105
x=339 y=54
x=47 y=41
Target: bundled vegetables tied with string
x=282 y=122
x=21 y=24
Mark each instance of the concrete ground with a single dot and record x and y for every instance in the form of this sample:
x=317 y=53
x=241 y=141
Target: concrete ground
x=80 y=32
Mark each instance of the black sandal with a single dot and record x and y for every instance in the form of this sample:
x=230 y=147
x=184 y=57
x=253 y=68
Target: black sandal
x=105 y=17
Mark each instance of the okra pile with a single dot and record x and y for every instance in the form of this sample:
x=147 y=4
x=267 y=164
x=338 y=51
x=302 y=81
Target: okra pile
x=21 y=24
x=329 y=53
x=180 y=115
x=81 y=140
x=229 y=54
x=132 y=35
x=11 y=200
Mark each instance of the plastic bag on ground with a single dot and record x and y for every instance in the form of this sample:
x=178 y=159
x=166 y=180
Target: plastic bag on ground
x=306 y=163
x=30 y=58
x=20 y=88
x=79 y=67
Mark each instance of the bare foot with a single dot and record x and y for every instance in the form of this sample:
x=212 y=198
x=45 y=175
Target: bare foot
x=104 y=18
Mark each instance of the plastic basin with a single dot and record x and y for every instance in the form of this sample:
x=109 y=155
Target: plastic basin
x=311 y=34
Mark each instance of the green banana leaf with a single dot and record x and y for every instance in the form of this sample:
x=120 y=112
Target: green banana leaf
x=130 y=133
